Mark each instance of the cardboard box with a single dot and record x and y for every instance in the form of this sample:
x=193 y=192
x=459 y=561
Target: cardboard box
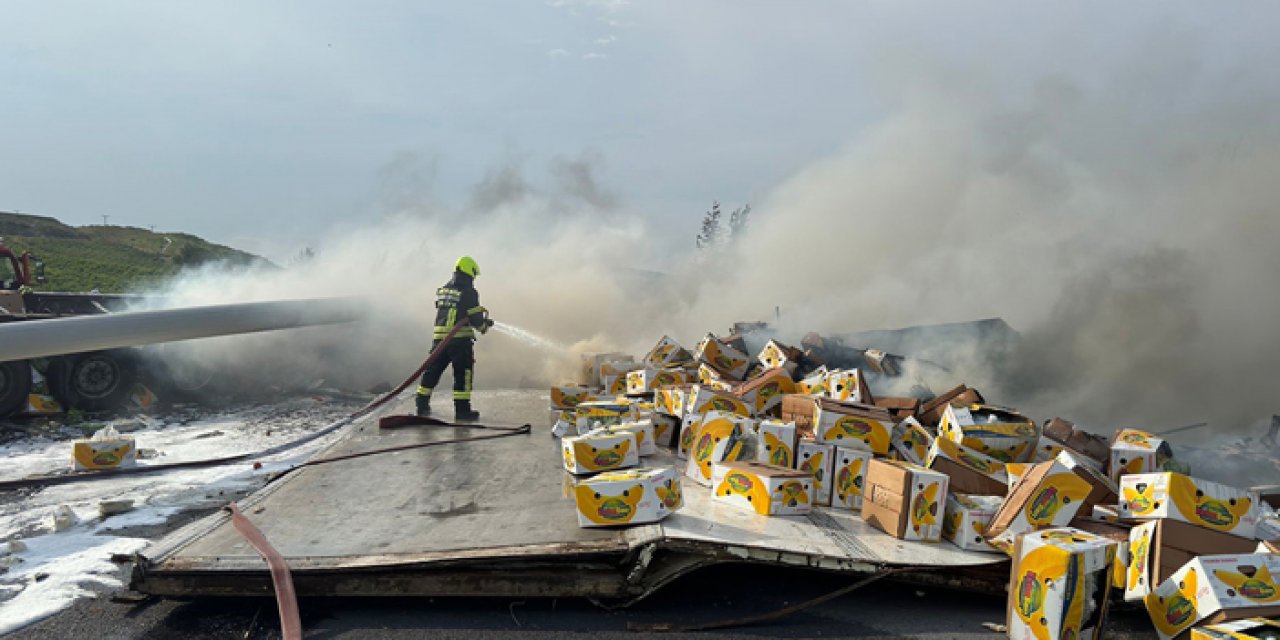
x=105 y=453
x=1199 y=502
x=931 y=412
x=848 y=385
x=999 y=433
x=672 y=400
x=800 y=409
x=1105 y=491
x=39 y=404
x=564 y=423
x=1047 y=449
x=598 y=452
x=568 y=396
x=776 y=355
x=664 y=429
x=815 y=384
x=709 y=376
x=1049 y=495
x=645 y=381
x=768 y=490
x=763 y=394
x=912 y=441
x=777 y=443
x=705 y=399
x=1134 y=451
x=1215 y=589
x=1059 y=585
x=590 y=374
x=611 y=371
x=603 y=413
x=634 y=496
x=614 y=385
x=667 y=352
x=900 y=408
x=848 y=424
x=646 y=444
x=850 y=477
x=1159 y=548
x=970 y=471
x=721 y=437
x=818 y=460
x=730 y=362
x=966 y=519
x=906 y=501
x=1247 y=629
x=1015 y=471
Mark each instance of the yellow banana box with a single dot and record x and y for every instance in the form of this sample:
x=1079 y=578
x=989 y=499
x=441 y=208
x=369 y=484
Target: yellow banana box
x=564 y=423
x=613 y=385
x=815 y=384
x=817 y=460
x=708 y=376
x=966 y=519
x=672 y=400
x=999 y=433
x=1247 y=629
x=1015 y=471
x=599 y=452
x=646 y=441
x=1200 y=502
x=776 y=355
x=1049 y=495
x=603 y=413
x=776 y=443
x=1159 y=548
x=704 y=398
x=848 y=424
x=767 y=489
x=763 y=394
x=645 y=381
x=667 y=352
x=664 y=428
x=1059 y=585
x=847 y=385
x=39 y=404
x=109 y=453
x=633 y=496
x=1215 y=589
x=569 y=396
x=611 y=371
x=1046 y=449
x=593 y=364
x=720 y=437
x=1134 y=451
x=727 y=360
x=911 y=441
x=849 y=479
x=906 y=501
x=970 y=471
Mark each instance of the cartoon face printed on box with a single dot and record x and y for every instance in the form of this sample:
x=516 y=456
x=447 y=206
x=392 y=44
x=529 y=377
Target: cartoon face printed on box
x=1137 y=572
x=646 y=444
x=633 y=496
x=670 y=400
x=766 y=489
x=665 y=428
x=926 y=511
x=593 y=415
x=776 y=356
x=972 y=460
x=1211 y=583
x=765 y=393
x=777 y=443
x=103 y=454
x=1199 y=502
x=568 y=397
x=1047 y=449
x=706 y=399
x=1134 y=451
x=844 y=385
x=667 y=351
x=912 y=441
x=967 y=518
x=723 y=357
x=599 y=452
x=991 y=431
x=1174 y=608
x=815 y=384
x=869 y=434
x=1056 y=573
x=818 y=461
x=721 y=437
x=850 y=477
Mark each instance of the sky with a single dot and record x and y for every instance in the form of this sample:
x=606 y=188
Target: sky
x=264 y=125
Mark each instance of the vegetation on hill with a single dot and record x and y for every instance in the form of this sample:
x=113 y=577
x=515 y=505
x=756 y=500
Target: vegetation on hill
x=111 y=259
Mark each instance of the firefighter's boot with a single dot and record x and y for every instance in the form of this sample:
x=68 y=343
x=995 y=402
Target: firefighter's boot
x=424 y=406
x=462 y=411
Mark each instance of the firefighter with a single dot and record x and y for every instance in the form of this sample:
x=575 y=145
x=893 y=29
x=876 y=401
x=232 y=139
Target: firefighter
x=457 y=302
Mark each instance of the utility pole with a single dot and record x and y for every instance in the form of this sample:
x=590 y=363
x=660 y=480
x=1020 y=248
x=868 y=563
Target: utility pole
x=104 y=219
x=152 y=227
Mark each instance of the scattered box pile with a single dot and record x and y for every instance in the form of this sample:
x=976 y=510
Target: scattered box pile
x=781 y=434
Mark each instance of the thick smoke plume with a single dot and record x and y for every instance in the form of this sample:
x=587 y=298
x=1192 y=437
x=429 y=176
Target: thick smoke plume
x=1127 y=231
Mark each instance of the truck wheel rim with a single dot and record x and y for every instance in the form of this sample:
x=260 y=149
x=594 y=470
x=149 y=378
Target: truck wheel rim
x=96 y=379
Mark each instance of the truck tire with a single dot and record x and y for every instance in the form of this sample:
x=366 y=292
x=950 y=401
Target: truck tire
x=15 y=384
x=98 y=381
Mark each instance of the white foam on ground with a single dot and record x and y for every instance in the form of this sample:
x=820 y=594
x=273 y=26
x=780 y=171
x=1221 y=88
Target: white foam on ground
x=78 y=560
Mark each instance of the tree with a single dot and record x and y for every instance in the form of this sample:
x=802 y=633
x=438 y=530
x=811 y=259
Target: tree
x=738 y=221
x=710 y=235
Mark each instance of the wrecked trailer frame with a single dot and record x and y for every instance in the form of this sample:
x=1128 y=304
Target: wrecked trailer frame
x=493 y=518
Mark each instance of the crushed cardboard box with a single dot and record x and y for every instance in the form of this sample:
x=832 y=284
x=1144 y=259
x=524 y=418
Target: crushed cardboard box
x=996 y=432
x=970 y=471
x=931 y=411
x=1214 y=589
x=1247 y=629
x=1049 y=495
x=1159 y=548
x=966 y=519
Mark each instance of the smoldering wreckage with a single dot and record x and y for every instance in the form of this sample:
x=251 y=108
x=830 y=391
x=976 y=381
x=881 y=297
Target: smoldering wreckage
x=741 y=449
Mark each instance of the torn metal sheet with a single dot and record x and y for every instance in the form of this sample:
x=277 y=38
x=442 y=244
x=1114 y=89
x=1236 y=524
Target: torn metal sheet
x=493 y=518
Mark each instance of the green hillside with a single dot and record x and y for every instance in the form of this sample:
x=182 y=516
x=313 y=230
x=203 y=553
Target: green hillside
x=112 y=259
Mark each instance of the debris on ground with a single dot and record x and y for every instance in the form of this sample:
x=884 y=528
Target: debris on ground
x=1085 y=519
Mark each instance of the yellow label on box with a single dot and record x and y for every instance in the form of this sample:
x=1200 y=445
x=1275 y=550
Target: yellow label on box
x=1199 y=502
x=103 y=454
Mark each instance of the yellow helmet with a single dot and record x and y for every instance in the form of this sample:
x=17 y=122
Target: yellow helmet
x=467 y=265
